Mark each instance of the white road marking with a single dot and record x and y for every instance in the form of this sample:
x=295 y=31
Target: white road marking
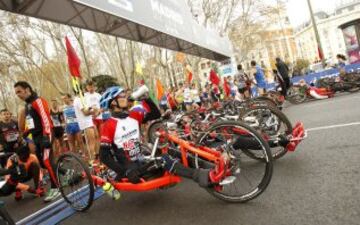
x=333 y=126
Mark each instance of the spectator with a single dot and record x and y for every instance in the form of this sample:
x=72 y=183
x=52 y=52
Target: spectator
x=163 y=103
x=341 y=64
x=188 y=101
x=39 y=126
x=258 y=73
x=72 y=128
x=243 y=83
x=215 y=93
x=205 y=95
x=58 y=121
x=84 y=117
x=195 y=95
x=16 y=178
x=283 y=71
x=9 y=135
x=92 y=99
x=179 y=97
x=341 y=60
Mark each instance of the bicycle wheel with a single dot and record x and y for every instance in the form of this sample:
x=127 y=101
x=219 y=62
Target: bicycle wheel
x=75 y=182
x=271 y=123
x=263 y=100
x=277 y=97
x=296 y=94
x=151 y=133
x=252 y=176
x=5 y=218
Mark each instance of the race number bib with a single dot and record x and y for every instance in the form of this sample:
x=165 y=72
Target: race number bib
x=11 y=136
x=132 y=148
x=70 y=120
x=56 y=121
x=29 y=122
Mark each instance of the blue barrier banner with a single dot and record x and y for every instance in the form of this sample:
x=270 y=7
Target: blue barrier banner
x=313 y=77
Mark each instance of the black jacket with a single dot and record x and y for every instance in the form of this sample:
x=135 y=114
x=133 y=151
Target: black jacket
x=283 y=69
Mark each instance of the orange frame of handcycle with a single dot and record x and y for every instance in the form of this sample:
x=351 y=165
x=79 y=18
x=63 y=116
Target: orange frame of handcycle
x=168 y=178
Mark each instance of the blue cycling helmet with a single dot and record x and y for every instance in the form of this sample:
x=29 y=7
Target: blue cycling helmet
x=109 y=95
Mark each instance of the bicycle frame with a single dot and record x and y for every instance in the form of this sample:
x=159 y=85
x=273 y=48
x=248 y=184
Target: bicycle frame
x=168 y=179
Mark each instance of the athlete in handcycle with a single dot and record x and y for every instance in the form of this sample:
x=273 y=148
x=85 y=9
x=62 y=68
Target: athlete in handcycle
x=215 y=169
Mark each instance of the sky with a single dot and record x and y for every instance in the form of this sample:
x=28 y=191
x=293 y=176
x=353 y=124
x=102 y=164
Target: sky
x=298 y=10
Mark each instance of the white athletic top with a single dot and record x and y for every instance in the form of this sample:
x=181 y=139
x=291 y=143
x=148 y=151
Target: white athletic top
x=93 y=101
x=84 y=121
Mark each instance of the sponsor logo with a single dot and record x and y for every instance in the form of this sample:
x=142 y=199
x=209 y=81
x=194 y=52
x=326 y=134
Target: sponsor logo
x=124 y=4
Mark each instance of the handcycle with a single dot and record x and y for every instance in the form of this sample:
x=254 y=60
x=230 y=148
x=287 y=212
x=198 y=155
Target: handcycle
x=231 y=169
x=270 y=122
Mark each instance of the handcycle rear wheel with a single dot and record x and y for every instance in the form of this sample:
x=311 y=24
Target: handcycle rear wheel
x=222 y=136
x=75 y=182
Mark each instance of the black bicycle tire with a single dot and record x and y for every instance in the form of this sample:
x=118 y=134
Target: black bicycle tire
x=268 y=171
x=283 y=118
x=296 y=102
x=89 y=178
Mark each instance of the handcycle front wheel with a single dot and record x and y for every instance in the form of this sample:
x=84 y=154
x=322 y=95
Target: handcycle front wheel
x=222 y=137
x=5 y=218
x=75 y=182
x=296 y=94
x=271 y=123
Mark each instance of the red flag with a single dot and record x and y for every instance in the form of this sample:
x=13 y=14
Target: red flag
x=226 y=87
x=320 y=54
x=189 y=74
x=189 y=78
x=159 y=89
x=73 y=59
x=214 y=77
x=171 y=101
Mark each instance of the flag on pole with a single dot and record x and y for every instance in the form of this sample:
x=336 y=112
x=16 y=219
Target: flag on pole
x=74 y=68
x=138 y=69
x=189 y=74
x=320 y=54
x=73 y=59
x=214 y=77
x=159 y=89
x=152 y=96
x=226 y=87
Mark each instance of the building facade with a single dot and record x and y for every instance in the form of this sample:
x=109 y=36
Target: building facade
x=331 y=36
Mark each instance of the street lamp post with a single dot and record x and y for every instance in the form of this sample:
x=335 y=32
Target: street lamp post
x=321 y=53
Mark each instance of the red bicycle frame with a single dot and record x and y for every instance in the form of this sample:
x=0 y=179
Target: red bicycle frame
x=216 y=175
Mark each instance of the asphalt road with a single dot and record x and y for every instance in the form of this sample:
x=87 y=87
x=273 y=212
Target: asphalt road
x=317 y=184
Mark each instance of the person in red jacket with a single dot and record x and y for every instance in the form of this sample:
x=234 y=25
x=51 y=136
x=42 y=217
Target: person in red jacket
x=39 y=125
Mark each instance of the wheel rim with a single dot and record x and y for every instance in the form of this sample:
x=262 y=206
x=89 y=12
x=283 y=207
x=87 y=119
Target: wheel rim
x=75 y=183
x=270 y=126
x=252 y=176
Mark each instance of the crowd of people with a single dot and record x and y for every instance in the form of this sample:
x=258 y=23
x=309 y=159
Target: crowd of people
x=44 y=130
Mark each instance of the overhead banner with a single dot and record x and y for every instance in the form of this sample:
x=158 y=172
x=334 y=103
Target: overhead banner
x=163 y=23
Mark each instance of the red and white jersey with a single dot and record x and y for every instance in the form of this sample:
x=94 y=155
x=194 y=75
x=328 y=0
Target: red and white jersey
x=124 y=134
